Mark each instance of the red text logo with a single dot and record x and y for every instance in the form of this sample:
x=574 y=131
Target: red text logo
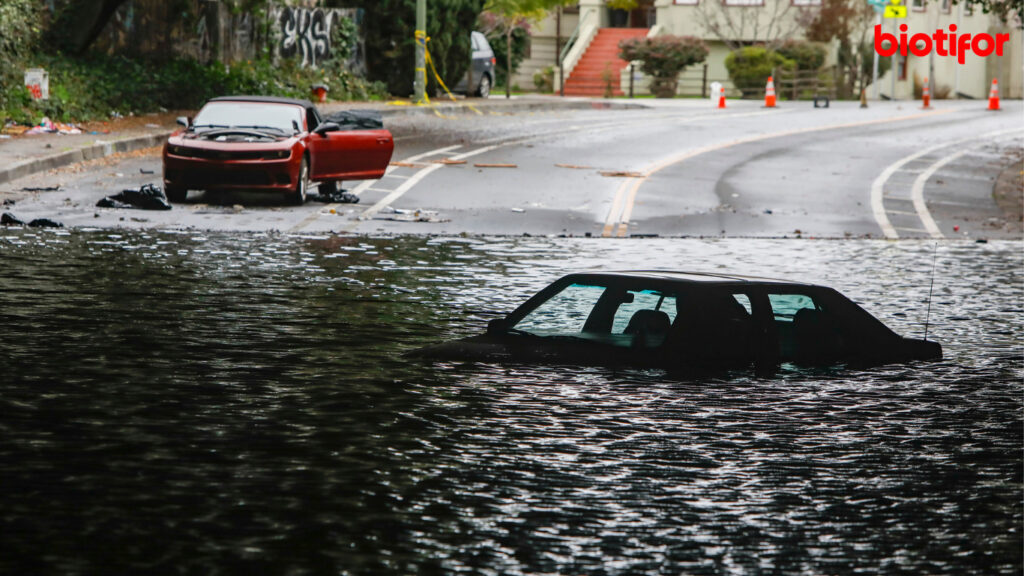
x=921 y=44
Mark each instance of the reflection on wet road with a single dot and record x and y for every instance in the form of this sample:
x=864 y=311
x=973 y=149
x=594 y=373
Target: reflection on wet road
x=197 y=403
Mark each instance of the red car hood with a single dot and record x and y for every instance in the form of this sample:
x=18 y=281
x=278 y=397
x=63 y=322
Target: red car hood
x=230 y=142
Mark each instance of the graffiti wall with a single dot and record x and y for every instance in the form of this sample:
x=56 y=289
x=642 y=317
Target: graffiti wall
x=210 y=30
x=306 y=33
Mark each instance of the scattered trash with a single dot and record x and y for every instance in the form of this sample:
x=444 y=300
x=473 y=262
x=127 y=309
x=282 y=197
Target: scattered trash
x=573 y=166
x=9 y=202
x=238 y=208
x=336 y=197
x=148 y=197
x=45 y=223
x=449 y=161
x=144 y=171
x=41 y=189
x=767 y=211
x=493 y=165
x=405 y=164
x=620 y=174
x=981 y=241
x=47 y=126
x=518 y=210
x=956 y=228
x=152 y=125
x=9 y=219
x=4 y=136
x=400 y=215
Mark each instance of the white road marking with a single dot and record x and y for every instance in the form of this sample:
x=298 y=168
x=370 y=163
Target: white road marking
x=366 y=184
x=917 y=194
x=878 y=186
x=634 y=187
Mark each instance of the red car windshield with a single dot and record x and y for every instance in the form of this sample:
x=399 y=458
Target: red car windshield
x=283 y=118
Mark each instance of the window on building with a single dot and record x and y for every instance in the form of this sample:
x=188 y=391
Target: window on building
x=918 y=5
x=685 y=2
x=805 y=2
x=743 y=2
x=947 y=6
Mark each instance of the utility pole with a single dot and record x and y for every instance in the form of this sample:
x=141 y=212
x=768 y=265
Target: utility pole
x=420 y=81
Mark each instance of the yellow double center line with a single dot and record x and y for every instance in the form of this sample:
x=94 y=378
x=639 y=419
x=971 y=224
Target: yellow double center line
x=617 y=222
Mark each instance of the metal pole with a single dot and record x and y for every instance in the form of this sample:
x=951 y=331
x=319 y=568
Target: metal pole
x=956 y=68
x=895 y=62
x=874 y=66
x=630 y=79
x=704 y=82
x=420 y=80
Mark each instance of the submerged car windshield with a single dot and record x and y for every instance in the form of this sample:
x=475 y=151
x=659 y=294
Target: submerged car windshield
x=282 y=118
x=608 y=314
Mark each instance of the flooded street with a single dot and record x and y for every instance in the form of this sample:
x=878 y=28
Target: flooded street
x=199 y=403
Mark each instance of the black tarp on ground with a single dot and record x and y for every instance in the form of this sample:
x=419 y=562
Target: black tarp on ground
x=148 y=197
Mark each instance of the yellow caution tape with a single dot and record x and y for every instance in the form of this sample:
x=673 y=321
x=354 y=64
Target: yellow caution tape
x=421 y=36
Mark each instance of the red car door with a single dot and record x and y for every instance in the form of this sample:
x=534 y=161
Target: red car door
x=350 y=154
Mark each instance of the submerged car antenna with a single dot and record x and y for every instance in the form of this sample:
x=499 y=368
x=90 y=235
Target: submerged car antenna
x=931 y=284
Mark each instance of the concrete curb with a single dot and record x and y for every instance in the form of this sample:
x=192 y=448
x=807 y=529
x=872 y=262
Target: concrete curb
x=487 y=107
x=99 y=150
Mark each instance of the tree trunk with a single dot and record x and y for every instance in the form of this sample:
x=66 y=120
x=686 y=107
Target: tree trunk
x=79 y=22
x=508 y=63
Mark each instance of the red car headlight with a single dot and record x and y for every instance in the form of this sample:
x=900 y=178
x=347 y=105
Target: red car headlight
x=277 y=155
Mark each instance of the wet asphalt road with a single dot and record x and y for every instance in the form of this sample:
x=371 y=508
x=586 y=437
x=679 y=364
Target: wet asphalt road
x=679 y=168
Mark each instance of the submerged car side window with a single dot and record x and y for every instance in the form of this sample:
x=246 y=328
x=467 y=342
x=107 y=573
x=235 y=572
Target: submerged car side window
x=643 y=300
x=786 y=306
x=563 y=313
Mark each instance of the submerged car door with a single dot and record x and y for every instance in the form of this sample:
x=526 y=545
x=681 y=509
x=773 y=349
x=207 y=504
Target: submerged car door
x=350 y=154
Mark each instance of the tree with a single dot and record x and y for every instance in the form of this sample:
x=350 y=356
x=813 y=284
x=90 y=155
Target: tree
x=511 y=14
x=739 y=25
x=389 y=27
x=663 y=58
x=77 y=23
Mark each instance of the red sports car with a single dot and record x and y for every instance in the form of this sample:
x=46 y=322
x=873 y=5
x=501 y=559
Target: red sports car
x=274 y=145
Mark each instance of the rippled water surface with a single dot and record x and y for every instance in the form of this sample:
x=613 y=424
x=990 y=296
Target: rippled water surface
x=192 y=403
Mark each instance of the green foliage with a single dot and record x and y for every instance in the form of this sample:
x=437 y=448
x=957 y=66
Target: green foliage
x=343 y=40
x=94 y=87
x=808 y=56
x=663 y=58
x=498 y=42
x=19 y=32
x=389 y=27
x=750 y=67
x=544 y=80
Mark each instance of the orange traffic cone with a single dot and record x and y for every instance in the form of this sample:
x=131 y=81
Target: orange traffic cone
x=926 y=94
x=721 y=98
x=993 y=96
x=769 y=94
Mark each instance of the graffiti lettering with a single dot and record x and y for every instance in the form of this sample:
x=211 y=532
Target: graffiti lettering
x=306 y=33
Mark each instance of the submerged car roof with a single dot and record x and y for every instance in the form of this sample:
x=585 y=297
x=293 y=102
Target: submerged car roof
x=689 y=277
x=266 y=99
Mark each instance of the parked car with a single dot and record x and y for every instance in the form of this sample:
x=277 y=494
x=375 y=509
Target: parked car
x=482 y=68
x=681 y=320
x=273 y=145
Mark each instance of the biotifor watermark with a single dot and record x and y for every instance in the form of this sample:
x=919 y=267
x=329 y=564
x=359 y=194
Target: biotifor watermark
x=921 y=44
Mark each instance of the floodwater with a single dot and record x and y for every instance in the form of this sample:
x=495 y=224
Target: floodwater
x=198 y=404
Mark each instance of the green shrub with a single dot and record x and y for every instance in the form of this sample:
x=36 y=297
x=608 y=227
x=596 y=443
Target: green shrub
x=808 y=56
x=97 y=86
x=750 y=67
x=663 y=58
x=544 y=80
x=19 y=33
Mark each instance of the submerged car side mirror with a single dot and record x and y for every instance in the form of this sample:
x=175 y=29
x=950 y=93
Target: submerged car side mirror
x=326 y=127
x=184 y=121
x=497 y=326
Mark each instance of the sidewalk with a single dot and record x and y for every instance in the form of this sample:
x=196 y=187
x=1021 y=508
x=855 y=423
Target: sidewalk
x=21 y=156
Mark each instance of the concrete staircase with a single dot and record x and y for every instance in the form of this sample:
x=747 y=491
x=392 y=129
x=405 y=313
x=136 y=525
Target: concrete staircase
x=603 y=53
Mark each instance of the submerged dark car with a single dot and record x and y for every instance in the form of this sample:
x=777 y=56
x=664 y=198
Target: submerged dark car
x=681 y=320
